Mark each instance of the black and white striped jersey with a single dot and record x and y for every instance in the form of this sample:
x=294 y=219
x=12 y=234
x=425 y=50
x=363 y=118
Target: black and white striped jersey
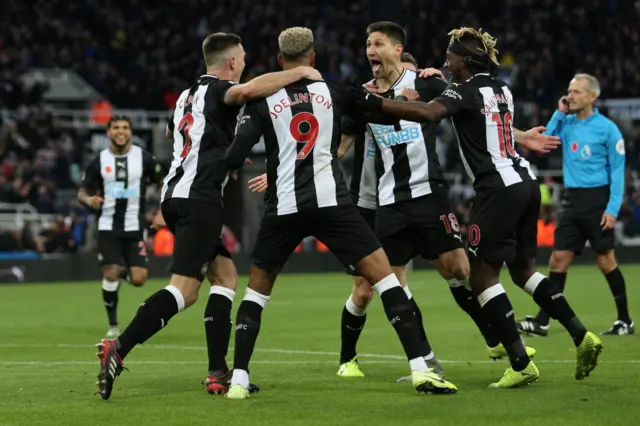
x=203 y=127
x=122 y=181
x=364 y=182
x=407 y=163
x=481 y=109
x=300 y=127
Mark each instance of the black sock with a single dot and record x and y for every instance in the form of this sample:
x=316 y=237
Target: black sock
x=247 y=329
x=470 y=305
x=217 y=326
x=110 y=299
x=617 y=286
x=402 y=318
x=424 y=341
x=550 y=298
x=350 y=330
x=124 y=274
x=499 y=312
x=152 y=316
x=559 y=279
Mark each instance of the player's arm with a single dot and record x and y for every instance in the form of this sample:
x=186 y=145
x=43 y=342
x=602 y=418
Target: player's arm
x=168 y=132
x=616 y=160
x=351 y=128
x=267 y=84
x=153 y=170
x=91 y=180
x=248 y=133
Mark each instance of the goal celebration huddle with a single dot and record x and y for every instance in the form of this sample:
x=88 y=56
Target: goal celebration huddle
x=395 y=207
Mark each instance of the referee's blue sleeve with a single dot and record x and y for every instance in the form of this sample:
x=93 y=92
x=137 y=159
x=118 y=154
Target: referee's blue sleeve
x=556 y=124
x=616 y=157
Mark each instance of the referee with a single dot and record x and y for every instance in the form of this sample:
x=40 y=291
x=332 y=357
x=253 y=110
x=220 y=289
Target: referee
x=593 y=169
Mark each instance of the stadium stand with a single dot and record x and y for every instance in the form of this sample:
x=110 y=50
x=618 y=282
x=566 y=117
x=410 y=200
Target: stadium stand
x=139 y=54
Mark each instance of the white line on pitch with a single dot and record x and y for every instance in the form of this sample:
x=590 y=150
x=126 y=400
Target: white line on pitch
x=303 y=352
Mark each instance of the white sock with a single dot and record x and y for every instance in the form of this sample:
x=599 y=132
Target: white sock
x=418 y=364
x=387 y=283
x=353 y=309
x=454 y=282
x=177 y=295
x=430 y=356
x=254 y=296
x=240 y=377
x=223 y=291
x=110 y=285
x=408 y=292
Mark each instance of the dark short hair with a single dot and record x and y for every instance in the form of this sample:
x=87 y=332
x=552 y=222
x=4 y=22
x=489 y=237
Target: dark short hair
x=390 y=29
x=408 y=57
x=217 y=43
x=119 y=117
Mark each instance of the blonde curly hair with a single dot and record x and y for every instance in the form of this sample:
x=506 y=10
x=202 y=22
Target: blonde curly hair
x=487 y=43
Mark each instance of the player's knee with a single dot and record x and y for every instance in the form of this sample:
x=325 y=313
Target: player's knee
x=111 y=273
x=262 y=280
x=606 y=261
x=454 y=264
x=375 y=266
x=188 y=287
x=560 y=260
x=362 y=293
x=222 y=272
x=138 y=276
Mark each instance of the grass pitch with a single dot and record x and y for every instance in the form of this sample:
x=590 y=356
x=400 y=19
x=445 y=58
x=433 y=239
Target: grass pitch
x=48 y=367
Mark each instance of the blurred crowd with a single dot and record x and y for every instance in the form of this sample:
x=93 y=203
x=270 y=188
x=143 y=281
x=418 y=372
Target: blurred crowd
x=142 y=53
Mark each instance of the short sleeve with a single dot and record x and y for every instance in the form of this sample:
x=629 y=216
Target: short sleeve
x=430 y=87
x=456 y=97
x=92 y=176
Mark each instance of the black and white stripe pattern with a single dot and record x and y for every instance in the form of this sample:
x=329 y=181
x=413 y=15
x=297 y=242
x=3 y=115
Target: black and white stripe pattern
x=482 y=118
x=301 y=136
x=407 y=164
x=124 y=189
x=203 y=127
x=364 y=182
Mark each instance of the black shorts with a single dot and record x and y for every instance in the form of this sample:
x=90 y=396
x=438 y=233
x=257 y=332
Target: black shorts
x=503 y=224
x=423 y=226
x=369 y=216
x=579 y=221
x=340 y=228
x=124 y=249
x=196 y=226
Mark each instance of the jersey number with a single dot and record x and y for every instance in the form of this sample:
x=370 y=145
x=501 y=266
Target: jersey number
x=504 y=133
x=308 y=138
x=183 y=127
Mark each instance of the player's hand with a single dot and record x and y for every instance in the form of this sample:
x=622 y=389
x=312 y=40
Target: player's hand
x=372 y=88
x=535 y=141
x=95 y=201
x=430 y=72
x=311 y=73
x=258 y=183
x=608 y=221
x=563 y=105
x=158 y=221
x=360 y=98
x=410 y=94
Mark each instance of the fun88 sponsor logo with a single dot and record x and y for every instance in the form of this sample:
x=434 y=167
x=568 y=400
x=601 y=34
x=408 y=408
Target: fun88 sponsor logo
x=387 y=136
x=117 y=190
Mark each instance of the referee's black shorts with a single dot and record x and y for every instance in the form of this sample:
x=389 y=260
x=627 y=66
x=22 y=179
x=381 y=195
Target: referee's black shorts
x=579 y=221
x=196 y=226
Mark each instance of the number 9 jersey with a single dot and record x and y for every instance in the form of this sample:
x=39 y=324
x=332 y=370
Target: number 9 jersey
x=300 y=128
x=202 y=127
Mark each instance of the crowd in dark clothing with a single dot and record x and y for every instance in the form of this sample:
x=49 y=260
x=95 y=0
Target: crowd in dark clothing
x=142 y=53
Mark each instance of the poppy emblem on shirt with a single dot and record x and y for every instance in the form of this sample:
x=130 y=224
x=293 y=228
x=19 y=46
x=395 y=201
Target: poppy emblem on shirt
x=574 y=146
x=108 y=169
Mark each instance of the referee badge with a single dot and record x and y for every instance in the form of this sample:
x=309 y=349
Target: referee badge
x=620 y=147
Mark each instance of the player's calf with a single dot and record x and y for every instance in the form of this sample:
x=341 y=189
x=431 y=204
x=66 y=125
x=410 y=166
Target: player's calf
x=354 y=317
